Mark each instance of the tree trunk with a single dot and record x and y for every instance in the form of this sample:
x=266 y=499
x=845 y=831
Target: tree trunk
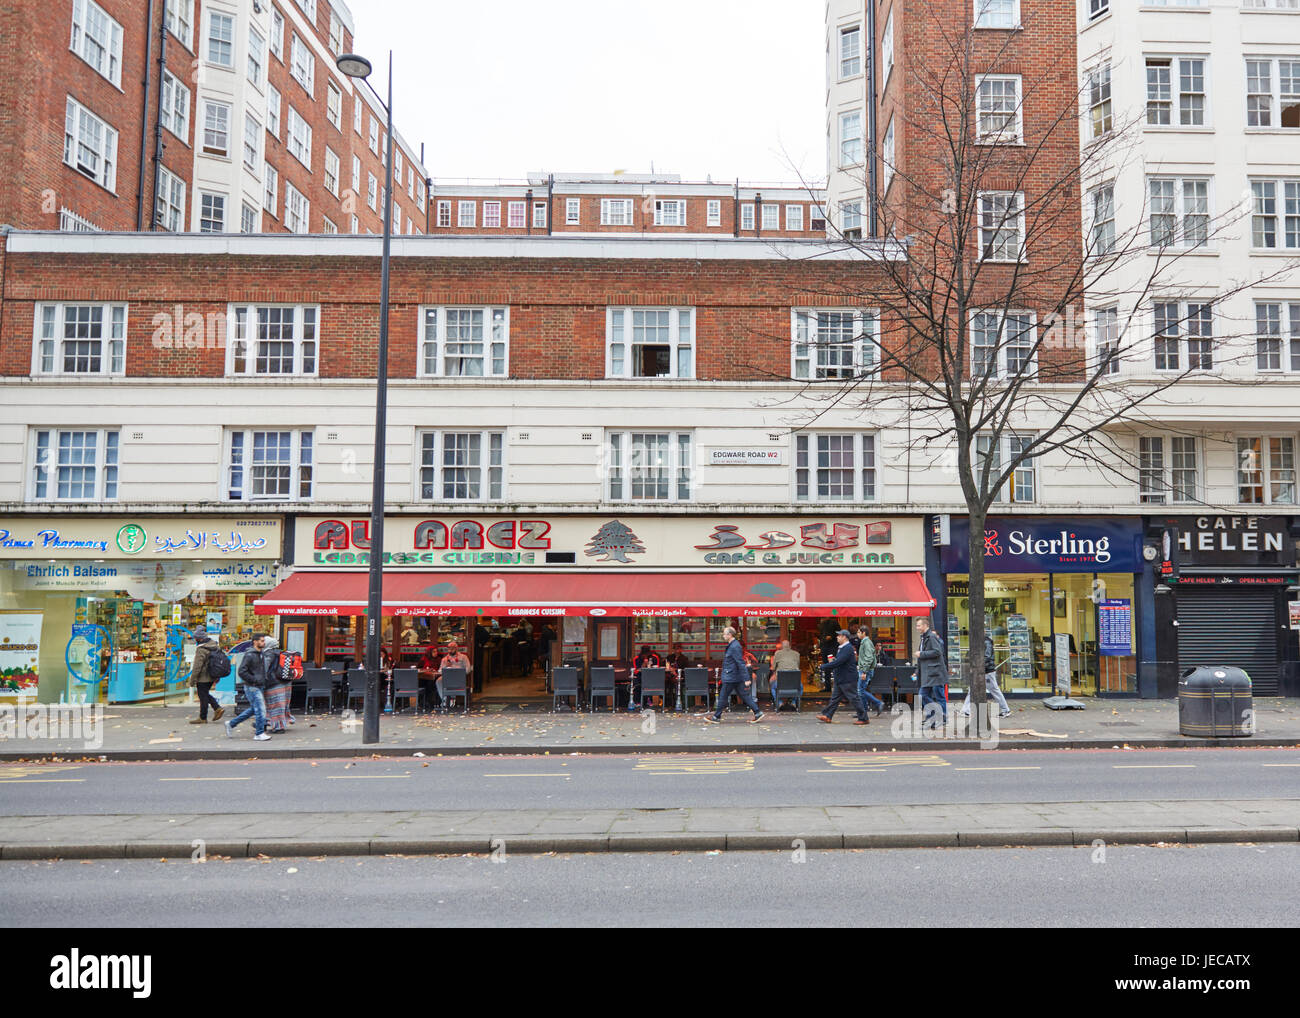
x=975 y=624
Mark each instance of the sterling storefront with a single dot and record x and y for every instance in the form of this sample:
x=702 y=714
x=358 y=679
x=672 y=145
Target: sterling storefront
x=103 y=607
x=521 y=592
x=1059 y=594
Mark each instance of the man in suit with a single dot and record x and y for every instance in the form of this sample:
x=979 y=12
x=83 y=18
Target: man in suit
x=843 y=670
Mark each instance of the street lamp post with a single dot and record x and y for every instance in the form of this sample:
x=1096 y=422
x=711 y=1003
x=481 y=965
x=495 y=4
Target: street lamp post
x=358 y=67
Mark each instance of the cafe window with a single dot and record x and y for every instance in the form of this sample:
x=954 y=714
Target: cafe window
x=272 y=339
x=650 y=343
x=835 y=468
x=1266 y=471
x=80 y=339
x=462 y=465
x=649 y=466
x=74 y=465
x=464 y=342
x=1022 y=485
x=269 y=466
x=834 y=343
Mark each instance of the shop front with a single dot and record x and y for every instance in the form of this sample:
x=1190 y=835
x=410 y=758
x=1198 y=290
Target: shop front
x=105 y=607
x=524 y=595
x=1059 y=601
x=1226 y=595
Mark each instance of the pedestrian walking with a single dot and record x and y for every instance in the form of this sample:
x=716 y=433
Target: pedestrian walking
x=843 y=671
x=990 y=681
x=932 y=669
x=866 y=669
x=252 y=672
x=202 y=681
x=735 y=679
x=279 y=688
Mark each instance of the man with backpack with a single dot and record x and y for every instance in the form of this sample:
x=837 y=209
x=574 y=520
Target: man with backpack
x=866 y=669
x=210 y=665
x=990 y=681
x=252 y=672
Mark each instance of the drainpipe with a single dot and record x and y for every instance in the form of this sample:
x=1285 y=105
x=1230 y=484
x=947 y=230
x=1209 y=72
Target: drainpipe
x=528 y=211
x=872 y=99
x=735 y=209
x=758 y=214
x=157 y=131
x=550 y=201
x=144 y=115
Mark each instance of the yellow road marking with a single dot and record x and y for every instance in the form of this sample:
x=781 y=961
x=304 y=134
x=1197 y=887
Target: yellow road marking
x=1282 y=765
x=696 y=765
x=23 y=772
x=40 y=781
x=997 y=768
x=886 y=760
x=533 y=774
x=848 y=770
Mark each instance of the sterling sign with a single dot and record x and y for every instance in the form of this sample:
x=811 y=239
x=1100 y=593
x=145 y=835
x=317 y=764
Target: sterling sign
x=1048 y=544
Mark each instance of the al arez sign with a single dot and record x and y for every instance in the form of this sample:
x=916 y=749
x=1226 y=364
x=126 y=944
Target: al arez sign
x=614 y=541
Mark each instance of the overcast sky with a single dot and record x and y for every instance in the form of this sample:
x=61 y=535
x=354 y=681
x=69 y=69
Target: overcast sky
x=496 y=88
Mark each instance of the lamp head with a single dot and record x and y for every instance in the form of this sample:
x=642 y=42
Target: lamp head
x=354 y=65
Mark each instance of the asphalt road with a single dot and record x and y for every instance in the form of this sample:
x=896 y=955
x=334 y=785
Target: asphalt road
x=794 y=779
x=1187 y=886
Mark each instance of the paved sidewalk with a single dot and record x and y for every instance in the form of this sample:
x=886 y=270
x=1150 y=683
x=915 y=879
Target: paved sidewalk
x=454 y=832
x=163 y=733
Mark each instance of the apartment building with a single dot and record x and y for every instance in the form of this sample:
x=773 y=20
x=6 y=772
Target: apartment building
x=223 y=116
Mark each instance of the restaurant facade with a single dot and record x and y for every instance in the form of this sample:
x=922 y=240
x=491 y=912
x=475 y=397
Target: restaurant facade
x=520 y=591
x=104 y=607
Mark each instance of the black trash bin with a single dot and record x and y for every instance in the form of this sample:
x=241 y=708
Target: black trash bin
x=1215 y=702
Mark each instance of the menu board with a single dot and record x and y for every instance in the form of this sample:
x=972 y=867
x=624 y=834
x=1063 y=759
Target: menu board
x=954 y=643
x=1021 y=650
x=1115 y=627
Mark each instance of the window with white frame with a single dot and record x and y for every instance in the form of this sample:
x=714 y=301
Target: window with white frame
x=212 y=212
x=462 y=466
x=1184 y=325
x=572 y=211
x=331 y=171
x=90 y=145
x=834 y=343
x=74 y=465
x=80 y=339
x=247 y=219
x=269 y=466
x=466 y=214
x=1275 y=5
x=1002 y=226
x=216 y=128
x=1097 y=8
x=1164 y=479
x=1101 y=200
x=850 y=51
x=372 y=191
x=298 y=138
x=356 y=175
x=221 y=39
x=374 y=135
x=256 y=55
x=464 y=342
x=997 y=13
x=1101 y=110
x=616 y=212
x=308 y=7
x=851 y=216
x=355 y=225
x=714 y=212
x=491 y=215
x=180 y=21
x=1275 y=221
x=1180 y=211
x=252 y=142
x=887 y=157
x=1277 y=335
x=539 y=215
x=771 y=217
x=302 y=64
x=649 y=466
x=356 y=113
x=851 y=138
x=747 y=217
x=410 y=182
x=336 y=34
x=333 y=105
x=175 y=110
x=516 y=215
x=887 y=50
x=272 y=339
x=670 y=212
x=328 y=225
x=650 y=343
x=1266 y=471
x=1273 y=92
x=1189 y=72
x=271 y=193
x=297 y=210
x=794 y=218
x=1002 y=345
x=97 y=39
x=997 y=108
x=169 y=204
x=419 y=198
x=835 y=468
x=397 y=218
x=1000 y=451
x=397 y=167
x=1106 y=340
x=444 y=214
x=273 y=111
x=277 y=34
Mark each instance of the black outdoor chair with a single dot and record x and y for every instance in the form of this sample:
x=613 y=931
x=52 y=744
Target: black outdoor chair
x=564 y=683
x=356 y=680
x=453 y=686
x=406 y=686
x=320 y=686
x=653 y=681
x=761 y=675
x=695 y=682
x=602 y=684
x=789 y=686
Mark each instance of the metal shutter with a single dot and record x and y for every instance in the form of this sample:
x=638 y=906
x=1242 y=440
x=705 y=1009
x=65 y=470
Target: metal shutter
x=1231 y=627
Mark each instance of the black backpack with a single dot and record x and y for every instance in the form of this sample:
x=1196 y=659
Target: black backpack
x=218 y=663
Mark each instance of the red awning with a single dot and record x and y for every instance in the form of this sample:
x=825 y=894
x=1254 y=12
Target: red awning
x=609 y=592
